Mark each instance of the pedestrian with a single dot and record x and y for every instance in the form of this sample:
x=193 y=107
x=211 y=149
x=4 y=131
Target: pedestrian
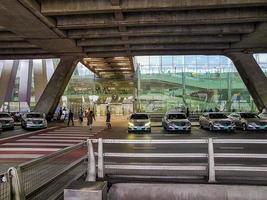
x=81 y=115
x=90 y=119
x=187 y=112
x=108 y=118
x=70 y=118
x=60 y=113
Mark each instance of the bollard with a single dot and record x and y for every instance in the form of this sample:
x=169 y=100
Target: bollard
x=211 y=161
x=91 y=167
x=100 y=162
x=17 y=192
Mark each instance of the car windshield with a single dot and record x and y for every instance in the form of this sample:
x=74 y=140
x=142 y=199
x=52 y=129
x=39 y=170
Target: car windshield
x=176 y=116
x=248 y=115
x=139 y=116
x=34 y=116
x=217 y=116
x=4 y=115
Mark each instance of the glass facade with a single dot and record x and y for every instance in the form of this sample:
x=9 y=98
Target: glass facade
x=201 y=83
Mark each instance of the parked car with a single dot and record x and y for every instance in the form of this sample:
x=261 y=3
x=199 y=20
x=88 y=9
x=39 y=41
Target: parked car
x=139 y=122
x=216 y=121
x=248 y=121
x=6 y=120
x=33 y=120
x=263 y=115
x=176 y=121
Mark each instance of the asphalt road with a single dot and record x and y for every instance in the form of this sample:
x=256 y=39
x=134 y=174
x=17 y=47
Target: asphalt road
x=119 y=131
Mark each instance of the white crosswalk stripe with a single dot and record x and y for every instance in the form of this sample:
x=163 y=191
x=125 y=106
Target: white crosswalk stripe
x=43 y=143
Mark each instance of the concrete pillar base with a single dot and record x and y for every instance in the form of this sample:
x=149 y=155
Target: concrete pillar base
x=80 y=190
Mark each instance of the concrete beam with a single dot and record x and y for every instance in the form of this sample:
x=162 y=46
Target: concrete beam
x=18 y=44
x=224 y=29
x=155 y=52
x=20 y=18
x=40 y=78
x=160 y=40
x=220 y=16
x=7 y=80
x=25 y=83
x=160 y=47
x=70 y=7
x=22 y=51
x=57 y=84
x=253 y=77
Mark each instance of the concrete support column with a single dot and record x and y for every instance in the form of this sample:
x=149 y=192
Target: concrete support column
x=25 y=81
x=40 y=78
x=57 y=84
x=253 y=77
x=7 y=80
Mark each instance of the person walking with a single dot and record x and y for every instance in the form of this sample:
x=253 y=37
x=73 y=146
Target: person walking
x=108 y=118
x=70 y=118
x=81 y=115
x=90 y=119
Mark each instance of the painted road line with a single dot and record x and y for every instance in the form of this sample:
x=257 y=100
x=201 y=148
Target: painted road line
x=25 y=134
x=49 y=140
x=71 y=132
x=231 y=148
x=144 y=148
x=61 y=137
x=20 y=156
x=28 y=149
x=37 y=144
x=65 y=135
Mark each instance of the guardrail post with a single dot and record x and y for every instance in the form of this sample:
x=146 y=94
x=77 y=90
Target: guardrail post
x=100 y=168
x=211 y=161
x=17 y=190
x=91 y=168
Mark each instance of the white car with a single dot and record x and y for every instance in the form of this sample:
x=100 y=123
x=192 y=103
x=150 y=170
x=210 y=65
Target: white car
x=176 y=121
x=6 y=120
x=33 y=120
x=139 y=122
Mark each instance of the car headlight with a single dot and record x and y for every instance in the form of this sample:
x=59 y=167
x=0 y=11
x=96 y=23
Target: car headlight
x=130 y=124
x=216 y=124
x=252 y=124
x=147 y=124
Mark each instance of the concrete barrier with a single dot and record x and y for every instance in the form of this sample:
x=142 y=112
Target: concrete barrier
x=139 y=191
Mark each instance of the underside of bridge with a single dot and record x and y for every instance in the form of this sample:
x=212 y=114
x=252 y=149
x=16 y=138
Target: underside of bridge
x=105 y=34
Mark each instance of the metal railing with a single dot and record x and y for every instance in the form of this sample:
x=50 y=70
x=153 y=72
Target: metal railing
x=46 y=177
x=5 y=187
x=211 y=169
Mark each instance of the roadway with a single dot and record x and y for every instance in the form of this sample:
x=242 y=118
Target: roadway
x=27 y=145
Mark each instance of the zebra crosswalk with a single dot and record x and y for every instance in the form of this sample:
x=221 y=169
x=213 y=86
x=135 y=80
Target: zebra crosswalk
x=42 y=143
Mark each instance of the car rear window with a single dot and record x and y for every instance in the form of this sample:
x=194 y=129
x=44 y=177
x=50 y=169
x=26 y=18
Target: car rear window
x=248 y=115
x=176 y=116
x=4 y=115
x=139 y=116
x=217 y=116
x=34 y=116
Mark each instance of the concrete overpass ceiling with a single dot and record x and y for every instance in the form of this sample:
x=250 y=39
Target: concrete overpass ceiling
x=126 y=28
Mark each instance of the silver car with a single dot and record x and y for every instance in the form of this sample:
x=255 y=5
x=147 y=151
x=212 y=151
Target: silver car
x=216 y=121
x=176 y=121
x=248 y=121
x=6 y=120
x=33 y=120
x=263 y=115
x=139 y=122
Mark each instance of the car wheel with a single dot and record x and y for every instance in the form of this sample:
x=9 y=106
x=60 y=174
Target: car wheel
x=210 y=127
x=244 y=127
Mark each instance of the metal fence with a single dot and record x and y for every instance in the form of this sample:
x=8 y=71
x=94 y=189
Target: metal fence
x=45 y=178
x=210 y=169
x=5 y=190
